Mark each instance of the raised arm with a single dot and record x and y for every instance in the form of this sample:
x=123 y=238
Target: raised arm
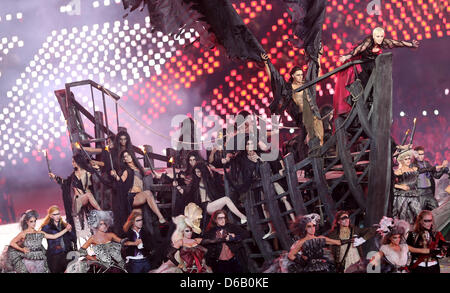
x=263 y=146
x=265 y=58
x=438 y=174
x=58 y=179
x=439 y=168
x=211 y=155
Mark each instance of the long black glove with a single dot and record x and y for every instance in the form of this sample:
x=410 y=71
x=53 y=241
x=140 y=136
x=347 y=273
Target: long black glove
x=171 y=255
x=205 y=242
x=436 y=253
x=299 y=260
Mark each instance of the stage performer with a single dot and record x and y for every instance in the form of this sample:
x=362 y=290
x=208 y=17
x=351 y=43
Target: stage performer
x=426 y=184
x=131 y=185
x=307 y=254
x=406 y=204
x=142 y=245
x=26 y=253
x=350 y=254
x=307 y=18
x=394 y=253
x=57 y=248
x=187 y=254
x=106 y=246
x=248 y=163
x=78 y=195
x=424 y=236
x=367 y=50
x=226 y=256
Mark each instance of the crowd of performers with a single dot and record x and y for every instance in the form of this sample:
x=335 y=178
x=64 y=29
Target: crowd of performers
x=402 y=248
x=122 y=231
x=206 y=228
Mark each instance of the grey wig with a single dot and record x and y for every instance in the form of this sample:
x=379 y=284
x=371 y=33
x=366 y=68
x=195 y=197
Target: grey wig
x=95 y=217
x=26 y=216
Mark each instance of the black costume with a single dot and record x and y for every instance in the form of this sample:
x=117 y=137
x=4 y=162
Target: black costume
x=191 y=193
x=406 y=205
x=355 y=231
x=239 y=261
x=423 y=263
x=67 y=186
x=426 y=185
x=315 y=262
x=123 y=205
x=139 y=260
x=282 y=93
x=58 y=248
x=364 y=52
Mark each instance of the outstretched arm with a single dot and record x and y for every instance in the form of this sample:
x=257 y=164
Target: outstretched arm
x=418 y=250
x=89 y=149
x=116 y=238
x=389 y=43
x=330 y=241
x=357 y=50
x=59 y=234
x=295 y=249
x=58 y=179
x=171 y=255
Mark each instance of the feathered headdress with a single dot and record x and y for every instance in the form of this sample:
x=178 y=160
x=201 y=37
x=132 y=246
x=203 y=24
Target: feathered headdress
x=393 y=226
x=96 y=216
x=191 y=218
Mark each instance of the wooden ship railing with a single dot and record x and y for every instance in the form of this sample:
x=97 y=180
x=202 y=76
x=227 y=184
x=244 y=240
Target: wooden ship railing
x=357 y=177
x=73 y=112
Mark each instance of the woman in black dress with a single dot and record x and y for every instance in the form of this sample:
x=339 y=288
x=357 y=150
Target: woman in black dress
x=406 y=205
x=131 y=184
x=367 y=50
